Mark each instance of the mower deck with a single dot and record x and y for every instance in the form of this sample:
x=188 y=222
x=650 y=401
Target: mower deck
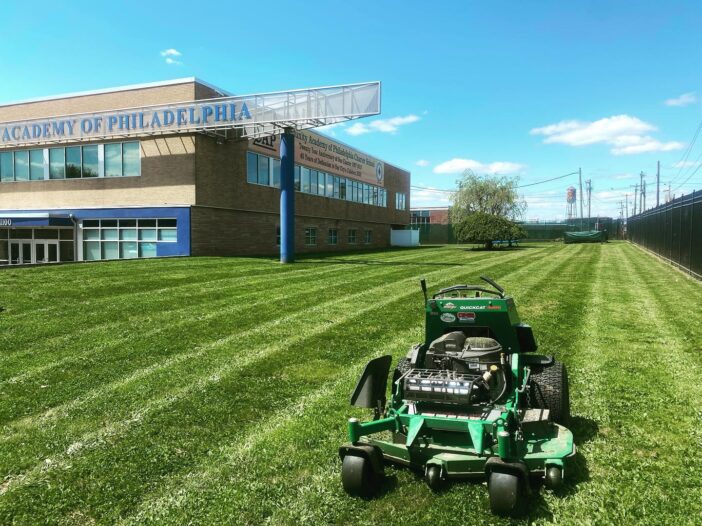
x=460 y=445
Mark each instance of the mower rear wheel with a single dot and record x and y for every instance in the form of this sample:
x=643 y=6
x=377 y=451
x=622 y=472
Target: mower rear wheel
x=507 y=494
x=548 y=389
x=358 y=477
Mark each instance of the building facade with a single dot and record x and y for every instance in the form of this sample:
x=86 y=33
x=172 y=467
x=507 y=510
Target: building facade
x=430 y=215
x=182 y=194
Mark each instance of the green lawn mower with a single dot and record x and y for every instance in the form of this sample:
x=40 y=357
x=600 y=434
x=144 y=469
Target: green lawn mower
x=473 y=400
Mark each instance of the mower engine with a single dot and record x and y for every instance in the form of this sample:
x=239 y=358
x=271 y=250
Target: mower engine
x=460 y=370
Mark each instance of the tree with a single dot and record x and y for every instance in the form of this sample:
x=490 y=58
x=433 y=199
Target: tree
x=483 y=228
x=489 y=194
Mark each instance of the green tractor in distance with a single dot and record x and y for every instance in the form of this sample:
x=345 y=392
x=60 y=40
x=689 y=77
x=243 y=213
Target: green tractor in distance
x=473 y=400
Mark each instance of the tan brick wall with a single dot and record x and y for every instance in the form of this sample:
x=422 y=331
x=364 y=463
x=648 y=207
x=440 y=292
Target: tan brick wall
x=221 y=232
x=167 y=178
x=99 y=102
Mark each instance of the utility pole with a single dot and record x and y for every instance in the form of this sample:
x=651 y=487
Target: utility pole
x=658 y=184
x=580 y=179
x=627 y=205
x=670 y=198
x=588 y=186
x=636 y=197
x=642 y=191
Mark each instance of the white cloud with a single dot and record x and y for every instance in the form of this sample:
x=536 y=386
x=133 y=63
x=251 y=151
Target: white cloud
x=625 y=134
x=422 y=162
x=170 y=52
x=381 y=125
x=683 y=100
x=169 y=55
x=458 y=165
x=429 y=197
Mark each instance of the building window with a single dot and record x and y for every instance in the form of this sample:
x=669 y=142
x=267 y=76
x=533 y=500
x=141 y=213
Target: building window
x=22 y=165
x=367 y=236
x=310 y=237
x=266 y=171
x=251 y=168
x=400 y=201
x=122 y=159
x=263 y=170
x=36 y=165
x=297 y=178
x=126 y=238
x=7 y=167
x=352 y=236
x=332 y=236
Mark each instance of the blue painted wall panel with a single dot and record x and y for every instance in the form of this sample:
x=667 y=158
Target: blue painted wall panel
x=181 y=214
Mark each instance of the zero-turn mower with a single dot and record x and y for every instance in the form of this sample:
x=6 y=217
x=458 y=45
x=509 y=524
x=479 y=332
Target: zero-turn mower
x=473 y=400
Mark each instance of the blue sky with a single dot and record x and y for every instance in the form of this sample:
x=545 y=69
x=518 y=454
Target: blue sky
x=534 y=89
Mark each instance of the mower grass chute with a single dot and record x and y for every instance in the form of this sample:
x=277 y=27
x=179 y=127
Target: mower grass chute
x=473 y=400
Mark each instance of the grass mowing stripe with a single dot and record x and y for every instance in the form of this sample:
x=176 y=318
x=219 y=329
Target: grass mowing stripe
x=270 y=311
x=156 y=506
x=105 y=308
x=95 y=331
x=185 y=391
x=115 y=359
x=161 y=502
x=617 y=365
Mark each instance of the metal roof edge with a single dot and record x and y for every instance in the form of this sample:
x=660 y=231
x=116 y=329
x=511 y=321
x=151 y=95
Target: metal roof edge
x=128 y=87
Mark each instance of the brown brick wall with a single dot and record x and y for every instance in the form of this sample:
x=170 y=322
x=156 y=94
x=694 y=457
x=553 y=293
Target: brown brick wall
x=221 y=232
x=221 y=177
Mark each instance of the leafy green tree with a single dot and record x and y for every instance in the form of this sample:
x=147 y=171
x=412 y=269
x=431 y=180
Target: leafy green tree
x=483 y=228
x=489 y=194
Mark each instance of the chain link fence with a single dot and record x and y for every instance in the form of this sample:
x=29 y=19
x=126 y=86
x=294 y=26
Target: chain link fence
x=673 y=231
x=437 y=234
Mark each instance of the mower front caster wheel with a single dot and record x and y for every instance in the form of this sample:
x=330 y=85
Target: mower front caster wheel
x=507 y=494
x=358 y=477
x=554 y=477
x=433 y=477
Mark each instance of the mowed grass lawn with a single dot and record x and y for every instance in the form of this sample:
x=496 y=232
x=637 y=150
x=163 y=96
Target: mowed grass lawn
x=215 y=390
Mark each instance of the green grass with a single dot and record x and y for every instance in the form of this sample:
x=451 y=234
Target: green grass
x=215 y=390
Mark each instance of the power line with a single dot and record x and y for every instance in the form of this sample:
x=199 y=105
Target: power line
x=547 y=180
x=688 y=178
x=688 y=150
x=432 y=189
x=520 y=186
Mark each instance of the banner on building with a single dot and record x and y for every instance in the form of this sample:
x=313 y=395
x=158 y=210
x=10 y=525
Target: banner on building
x=320 y=153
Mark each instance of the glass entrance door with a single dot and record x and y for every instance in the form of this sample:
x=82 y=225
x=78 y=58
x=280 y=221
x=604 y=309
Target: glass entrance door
x=46 y=251
x=20 y=252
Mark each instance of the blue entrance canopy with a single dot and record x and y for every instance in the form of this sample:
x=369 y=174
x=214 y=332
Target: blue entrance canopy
x=34 y=220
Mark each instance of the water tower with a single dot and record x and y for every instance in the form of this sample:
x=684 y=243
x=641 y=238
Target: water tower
x=570 y=199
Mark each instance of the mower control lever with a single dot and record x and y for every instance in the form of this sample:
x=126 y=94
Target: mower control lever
x=468 y=287
x=494 y=284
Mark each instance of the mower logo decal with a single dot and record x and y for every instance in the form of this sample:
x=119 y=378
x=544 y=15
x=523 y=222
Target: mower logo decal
x=472 y=307
x=466 y=316
x=448 y=317
x=449 y=305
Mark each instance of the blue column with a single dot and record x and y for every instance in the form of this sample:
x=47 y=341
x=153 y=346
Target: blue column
x=287 y=196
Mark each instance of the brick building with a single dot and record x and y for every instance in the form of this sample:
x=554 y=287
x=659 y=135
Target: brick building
x=180 y=194
x=430 y=215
